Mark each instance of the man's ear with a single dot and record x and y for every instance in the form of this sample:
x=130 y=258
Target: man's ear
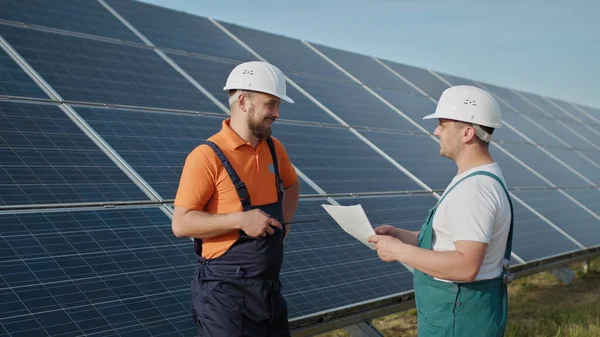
x=243 y=101
x=469 y=134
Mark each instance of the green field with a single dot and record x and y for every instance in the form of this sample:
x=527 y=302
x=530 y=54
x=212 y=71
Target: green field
x=540 y=305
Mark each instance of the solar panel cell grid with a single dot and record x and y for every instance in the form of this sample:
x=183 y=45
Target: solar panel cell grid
x=87 y=17
x=92 y=272
x=47 y=159
x=14 y=81
x=92 y=71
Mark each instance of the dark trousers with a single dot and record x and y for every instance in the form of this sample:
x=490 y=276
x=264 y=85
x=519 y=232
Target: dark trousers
x=231 y=305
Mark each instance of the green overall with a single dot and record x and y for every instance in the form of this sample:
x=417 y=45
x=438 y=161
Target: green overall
x=474 y=309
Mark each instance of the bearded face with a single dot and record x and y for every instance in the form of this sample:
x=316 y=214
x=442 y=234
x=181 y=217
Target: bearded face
x=263 y=111
x=260 y=125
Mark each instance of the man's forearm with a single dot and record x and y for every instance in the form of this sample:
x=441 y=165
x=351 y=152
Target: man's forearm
x=406 y=236
x=201 y=225
x=449 y=265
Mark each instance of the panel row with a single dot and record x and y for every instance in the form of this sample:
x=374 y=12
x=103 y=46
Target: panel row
x=109 y=272
x=133 y=83
x=48 y=159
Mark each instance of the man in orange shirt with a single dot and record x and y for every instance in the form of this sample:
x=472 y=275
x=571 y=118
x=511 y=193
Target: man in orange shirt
x=235 y=192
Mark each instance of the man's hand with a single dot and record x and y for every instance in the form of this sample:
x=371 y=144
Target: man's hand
x=388 y=247
x=257 y=223
x=387 y=230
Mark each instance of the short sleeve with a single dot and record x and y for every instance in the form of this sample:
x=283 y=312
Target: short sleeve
x=286 y=169
x=197 y=182
x=472 y=211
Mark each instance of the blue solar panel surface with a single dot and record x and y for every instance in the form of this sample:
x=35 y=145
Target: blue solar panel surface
x=88 y=17
x=366 y=69
x=92 y=71
x=353 y=104
x=325 y=270
x=526 y=238
x=420 y=77
x=194 y=34
x=121 y=272
x=338 y=161
x=155 y=144
x=417 y=153
x=565 y=214
x=14 y=81
x=290 y=55
x=105 y=272
x=47 y=159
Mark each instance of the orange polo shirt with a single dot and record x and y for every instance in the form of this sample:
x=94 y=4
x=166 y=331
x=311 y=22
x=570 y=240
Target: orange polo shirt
x=206 y=186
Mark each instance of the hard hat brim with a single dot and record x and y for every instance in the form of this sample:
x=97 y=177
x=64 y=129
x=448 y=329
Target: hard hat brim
x=431 y=116
x=287 y=99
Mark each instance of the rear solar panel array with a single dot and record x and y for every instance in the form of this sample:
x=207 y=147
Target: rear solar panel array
x=85 y=188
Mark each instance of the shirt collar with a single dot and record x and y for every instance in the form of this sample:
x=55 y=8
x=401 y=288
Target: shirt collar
x=230 y=138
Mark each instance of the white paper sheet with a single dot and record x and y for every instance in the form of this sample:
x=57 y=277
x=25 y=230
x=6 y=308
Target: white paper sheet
x=353 y=221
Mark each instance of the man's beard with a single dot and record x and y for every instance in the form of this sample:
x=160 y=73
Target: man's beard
x=259 y=128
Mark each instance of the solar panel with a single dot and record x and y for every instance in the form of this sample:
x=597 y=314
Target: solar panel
x=565 y=214
x=194 y=34
x=339 y=162
x=558 y=174
x=47 y=159
x=528 y=231
x=93 y=71
x=420 y=77
x=88 y=17
x=289 y=55
x=563 y=133
x=418 y=154
x=93 y=272
x=578 y=162
x=212 y=74
x=14 y=81
x=543 y=104
x=325 y=269
x=528 y=127
x=577 y=113
x=514 y=100
x=120 y=271
x=414 y=106
x=352 y=103
x=155 y=144
x=367 y=70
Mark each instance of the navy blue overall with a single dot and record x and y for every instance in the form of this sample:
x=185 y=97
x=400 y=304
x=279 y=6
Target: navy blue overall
x=239 y=292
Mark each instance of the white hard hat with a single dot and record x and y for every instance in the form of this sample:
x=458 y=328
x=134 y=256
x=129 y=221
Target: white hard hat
x=469 y=104
x=257 y=76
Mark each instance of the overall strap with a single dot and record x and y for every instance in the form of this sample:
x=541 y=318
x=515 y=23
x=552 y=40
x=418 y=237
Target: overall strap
x=240 y=187
x=278 y=181
x=508 y=250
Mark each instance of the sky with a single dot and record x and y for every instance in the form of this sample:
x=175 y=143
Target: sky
x=548 y=47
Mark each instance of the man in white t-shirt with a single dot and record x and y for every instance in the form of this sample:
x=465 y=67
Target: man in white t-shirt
x=461 y=251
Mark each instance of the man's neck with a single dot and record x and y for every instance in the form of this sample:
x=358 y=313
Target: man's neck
x=471 y=159
x=240 y=127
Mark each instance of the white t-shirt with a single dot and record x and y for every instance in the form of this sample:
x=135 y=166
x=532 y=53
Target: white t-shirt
x=477 y=209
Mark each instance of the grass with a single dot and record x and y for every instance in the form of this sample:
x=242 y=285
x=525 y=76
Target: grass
x=539 y=306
